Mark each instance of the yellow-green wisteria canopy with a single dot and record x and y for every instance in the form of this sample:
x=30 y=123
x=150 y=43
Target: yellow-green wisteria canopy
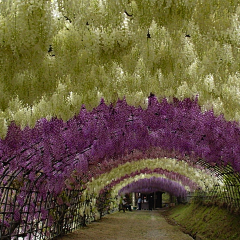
x=57 y=55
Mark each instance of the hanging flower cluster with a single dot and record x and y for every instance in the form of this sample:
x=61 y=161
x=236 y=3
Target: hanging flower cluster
x=83 y=59
x=170 y=168
x=54 y=149
x=126 y=182
x=159 y=184
x=157 y=171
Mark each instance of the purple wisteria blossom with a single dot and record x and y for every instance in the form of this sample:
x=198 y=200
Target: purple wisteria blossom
x=185 y=181
x=147 y=185
x=43 y=159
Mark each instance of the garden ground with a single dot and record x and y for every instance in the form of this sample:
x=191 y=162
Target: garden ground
x=130 y=225
x=200 y=221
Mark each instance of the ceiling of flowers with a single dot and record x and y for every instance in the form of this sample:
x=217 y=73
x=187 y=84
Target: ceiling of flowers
x=57 y=55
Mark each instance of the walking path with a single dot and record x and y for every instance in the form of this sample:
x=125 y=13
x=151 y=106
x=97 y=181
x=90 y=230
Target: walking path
x=129 y=225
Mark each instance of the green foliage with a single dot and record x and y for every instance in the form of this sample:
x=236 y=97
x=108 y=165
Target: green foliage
x=208 y=222
x=165 y=197
x=101 y=49
x=103 y=202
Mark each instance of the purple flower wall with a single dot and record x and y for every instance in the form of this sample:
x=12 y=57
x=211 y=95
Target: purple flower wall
x=56 y=156
x=54 y=149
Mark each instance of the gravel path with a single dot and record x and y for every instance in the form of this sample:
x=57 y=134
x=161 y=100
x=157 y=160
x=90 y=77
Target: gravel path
x=129 y=225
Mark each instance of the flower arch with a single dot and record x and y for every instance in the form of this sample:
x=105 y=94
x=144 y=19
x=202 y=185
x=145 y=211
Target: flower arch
x=56 y=162
x=172 y=169
x=157 y=171
x=157 y=183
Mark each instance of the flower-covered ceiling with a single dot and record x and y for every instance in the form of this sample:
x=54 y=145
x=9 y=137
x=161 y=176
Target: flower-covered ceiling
x=117 y=143
x=57 y=55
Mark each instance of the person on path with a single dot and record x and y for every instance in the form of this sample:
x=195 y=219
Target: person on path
x=139 y=203
x=125 y=204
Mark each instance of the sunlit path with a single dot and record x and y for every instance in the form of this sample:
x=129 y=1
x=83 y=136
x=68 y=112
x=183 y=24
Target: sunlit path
x=130 y=225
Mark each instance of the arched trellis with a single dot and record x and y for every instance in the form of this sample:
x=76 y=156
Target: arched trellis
x=173 y=171
x=184 y=172
x=185 y=181
x=29 y=207
x=51 y=164
x=229 y=195
x=113 y=189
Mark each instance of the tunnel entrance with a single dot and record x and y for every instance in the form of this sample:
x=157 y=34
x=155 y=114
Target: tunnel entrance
x=150 y=201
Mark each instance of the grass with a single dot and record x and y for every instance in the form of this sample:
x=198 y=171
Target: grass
x=207 y=222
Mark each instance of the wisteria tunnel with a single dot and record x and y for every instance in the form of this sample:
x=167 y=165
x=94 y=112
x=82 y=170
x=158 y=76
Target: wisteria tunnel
x=101 y=99
x=61 y=175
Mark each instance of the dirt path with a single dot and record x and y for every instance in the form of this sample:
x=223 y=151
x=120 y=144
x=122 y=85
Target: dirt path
x=129 y=225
